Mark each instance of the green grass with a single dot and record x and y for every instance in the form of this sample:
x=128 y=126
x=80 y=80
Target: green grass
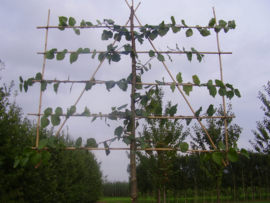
x=150 y=200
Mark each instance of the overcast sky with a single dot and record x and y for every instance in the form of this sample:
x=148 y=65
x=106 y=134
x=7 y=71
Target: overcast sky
x=247 y=68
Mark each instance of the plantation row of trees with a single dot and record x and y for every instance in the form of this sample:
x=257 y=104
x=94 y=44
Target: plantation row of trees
x=69 y=176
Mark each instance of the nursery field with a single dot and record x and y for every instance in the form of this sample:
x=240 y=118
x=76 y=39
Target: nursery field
x=171 y=200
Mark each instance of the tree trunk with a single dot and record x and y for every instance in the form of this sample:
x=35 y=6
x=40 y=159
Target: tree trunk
x=164 y=194
x=233 y=187
x=158 y=196
x=133 y=141
x=243 y=186
x=217 y=191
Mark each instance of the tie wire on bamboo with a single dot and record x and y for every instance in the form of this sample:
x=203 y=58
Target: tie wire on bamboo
x=143 y=52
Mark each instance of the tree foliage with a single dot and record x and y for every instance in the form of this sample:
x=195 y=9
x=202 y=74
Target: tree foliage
x=261 y=141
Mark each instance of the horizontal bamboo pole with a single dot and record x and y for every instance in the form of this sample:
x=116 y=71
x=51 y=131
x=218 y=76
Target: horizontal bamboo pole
x=103 y=26
x=103 y=82
x=146 y=52
x=146 y=149
x=151 y=117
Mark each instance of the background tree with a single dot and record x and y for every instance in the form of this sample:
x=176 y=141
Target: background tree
x=216 y=130
x=261 y=142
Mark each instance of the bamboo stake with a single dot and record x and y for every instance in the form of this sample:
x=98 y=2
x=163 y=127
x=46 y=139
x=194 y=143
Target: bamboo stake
x=223 y=98
x=133 y=145
x=89 y=80
x=127 y=26
x=151 y=117
x=178 y=87
x=103 y=82
x=146 y=52
x=43 y=68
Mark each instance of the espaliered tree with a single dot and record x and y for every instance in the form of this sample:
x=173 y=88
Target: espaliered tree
x=131 y=116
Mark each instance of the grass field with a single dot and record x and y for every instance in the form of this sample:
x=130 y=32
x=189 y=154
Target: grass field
x=152 y=200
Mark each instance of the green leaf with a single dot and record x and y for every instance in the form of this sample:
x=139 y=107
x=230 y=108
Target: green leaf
x=72 y=110
x=94 y=54
x=188 y=120
x=89 y=85
x=217 y=28
x=160 y=57
x=187 y=88
x=138 y=80
x=173 y=110
x=173 y=86
x=153 y=35
x=226 y=29
x=86 y=50
x=219 y=83
x=55 y=120
x=126 y=140
x=122 y=84
x=78 y=142
x=232 y=24
x=159 y=82
x=94 y=119
x=222 y=23
x=217 y=157
x=62 y=20
x=110 y=84
x=55 y=87
x=151 y=53
x=212 y=22
x=122 y=107
x=168 y=139
x=79 y=51
x=45 y=156
x=189 y=32
x=98 y=22
x=179 y=78
x=232 y=155
x=48 y=112
x=42 y=143
x=222 y=91
x=83 y=23
x=21 y=80
x=245 y=153
x=107 y=150
x=86 y=112
x=24 y=161
x=173 y=20
x=118 y=131
x=189 y=55
x=163 y=31
x=71 y=21
x=196 y=80
x=109 y=21
x=116 y=57
x=58 y=111
x=205 y=32
x=43 y=86
x=91 y=142
x=38 y=77
x=17 y=161
x=88 y=23
x=52 y=142
x=106 y=35
x=229 y=86
x=230 y=94
x=183 y=22
x=25 y=86
x=73 y=57
x=197 y=113
x=20 y=87
x=211 y=88
x=35 y=158
x=175 y=29
x=44 y=121
x=27 y=151
x=77 y=31
x=183 y=147
x=237 y=93
x=211 y=111
x=222 y=145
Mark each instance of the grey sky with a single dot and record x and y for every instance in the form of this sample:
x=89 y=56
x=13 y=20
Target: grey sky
x=247 y=68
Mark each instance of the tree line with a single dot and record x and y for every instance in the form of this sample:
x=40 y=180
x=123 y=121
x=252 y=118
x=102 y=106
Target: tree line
x=69 y=176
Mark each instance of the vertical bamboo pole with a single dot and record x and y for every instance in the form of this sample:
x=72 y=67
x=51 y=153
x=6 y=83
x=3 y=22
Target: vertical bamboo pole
x=43 y=68
x=223 y=98
x=133 y=141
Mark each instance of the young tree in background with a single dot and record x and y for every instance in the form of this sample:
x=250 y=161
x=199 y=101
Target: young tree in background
x=216 y=130
x=262 y=139
x=161 y=133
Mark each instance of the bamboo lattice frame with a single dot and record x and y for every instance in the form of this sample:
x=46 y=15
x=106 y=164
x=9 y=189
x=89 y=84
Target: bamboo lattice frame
x=167 y=83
